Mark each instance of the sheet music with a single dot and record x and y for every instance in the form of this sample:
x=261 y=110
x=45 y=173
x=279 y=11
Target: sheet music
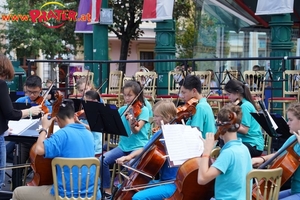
x=19 y=127
x=182 y=143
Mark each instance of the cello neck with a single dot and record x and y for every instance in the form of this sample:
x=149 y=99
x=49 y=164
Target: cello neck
x=291 y=145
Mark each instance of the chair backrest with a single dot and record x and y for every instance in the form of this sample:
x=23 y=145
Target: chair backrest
x=205 y=77
x=215 y=152
x=174 y=77
x=267 y=184
x=256 y=82
x=127 y=78
x=148 y=80
x=115 y=82
x=85 y=173
x=112 y=141
x=291 y=82
x=79 y=75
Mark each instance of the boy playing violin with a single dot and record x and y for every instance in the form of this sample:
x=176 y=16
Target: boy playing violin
x=70 y=141
x=234 y=162
x=293 y=116
x=33 y=85
x=203 y=118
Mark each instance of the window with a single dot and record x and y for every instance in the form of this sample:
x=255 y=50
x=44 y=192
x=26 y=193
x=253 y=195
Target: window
x=147 y=55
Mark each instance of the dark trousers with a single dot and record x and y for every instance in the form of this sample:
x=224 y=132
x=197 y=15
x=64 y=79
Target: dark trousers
x=253 y=151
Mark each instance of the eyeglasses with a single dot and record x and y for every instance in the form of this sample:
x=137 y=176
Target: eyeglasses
x=28 y=92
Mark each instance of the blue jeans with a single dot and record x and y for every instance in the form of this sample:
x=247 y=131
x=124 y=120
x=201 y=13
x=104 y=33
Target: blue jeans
x=287 y=195
x=2 y=159
x=109 y=159
x=155 y=193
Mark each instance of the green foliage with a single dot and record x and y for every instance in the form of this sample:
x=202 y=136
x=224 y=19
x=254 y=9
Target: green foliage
x=186 y=30
x=29 y=37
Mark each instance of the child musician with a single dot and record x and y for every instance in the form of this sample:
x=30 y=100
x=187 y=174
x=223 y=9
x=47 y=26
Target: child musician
x=137 y=128
x=234 y=162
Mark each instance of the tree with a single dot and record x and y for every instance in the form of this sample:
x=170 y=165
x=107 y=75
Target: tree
x=127 y=18
x=19 y=32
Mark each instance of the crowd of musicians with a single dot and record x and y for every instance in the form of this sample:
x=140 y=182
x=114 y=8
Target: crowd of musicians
x=233 y=129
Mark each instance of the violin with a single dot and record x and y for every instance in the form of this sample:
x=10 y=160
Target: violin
x=80 y=113
x=135 y=111
x=225 y=126
x=40 y=165
x=41 y=101
x=187 y=110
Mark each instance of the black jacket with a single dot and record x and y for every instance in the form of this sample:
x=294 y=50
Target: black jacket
x=7 y=112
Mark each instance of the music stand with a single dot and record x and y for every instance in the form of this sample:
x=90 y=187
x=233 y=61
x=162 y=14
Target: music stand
x=282 y=130
x=103 y=118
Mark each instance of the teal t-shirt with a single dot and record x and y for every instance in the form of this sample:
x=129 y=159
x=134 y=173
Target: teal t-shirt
x=254 y=136
x=234 y=162
x=97 y=139
x=149 y=106
x=134 y=140
x=203 y=118
x=295 y=180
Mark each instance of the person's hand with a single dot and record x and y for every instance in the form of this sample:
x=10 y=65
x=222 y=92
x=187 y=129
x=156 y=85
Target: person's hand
x=76 y=119
x=123 y=160
x=257 y=161
x=209 y=143
x=35 y=110
x=297 y=134
x=47 y=122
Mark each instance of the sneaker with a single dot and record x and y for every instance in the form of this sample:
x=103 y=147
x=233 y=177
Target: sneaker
x=107 y=196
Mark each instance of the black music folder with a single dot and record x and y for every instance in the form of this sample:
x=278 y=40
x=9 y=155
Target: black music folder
x=104 y=118
x=283 y=129
x=21 y=106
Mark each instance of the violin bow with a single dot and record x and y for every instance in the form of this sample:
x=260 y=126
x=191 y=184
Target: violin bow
x=102 y=84
x=135 y=98
x=46 y=93
x=177 y=101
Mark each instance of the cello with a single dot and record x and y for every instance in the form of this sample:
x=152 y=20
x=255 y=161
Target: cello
x=152 y=160
x=40 y=165
x=289 y=162
x=187 y=186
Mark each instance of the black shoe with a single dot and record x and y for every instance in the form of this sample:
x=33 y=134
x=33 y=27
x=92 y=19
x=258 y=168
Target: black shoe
x=107 y=196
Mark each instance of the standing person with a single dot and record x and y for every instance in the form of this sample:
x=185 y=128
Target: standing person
x=213 y=84
x=234 y=157
x=250 y=130
x=203 y=118
x=136 y=130
x=7 y=112
x=92 y=96
x=293 y=116
x=163 y=111
x=63 y=143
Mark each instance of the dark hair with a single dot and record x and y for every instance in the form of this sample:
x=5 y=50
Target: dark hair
x=191 y=81
x=136 y=89
x=225 y=113
x=66 y=109
x=236 y=87
x=93 y=95
x=33 y=81
x=6 y=68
